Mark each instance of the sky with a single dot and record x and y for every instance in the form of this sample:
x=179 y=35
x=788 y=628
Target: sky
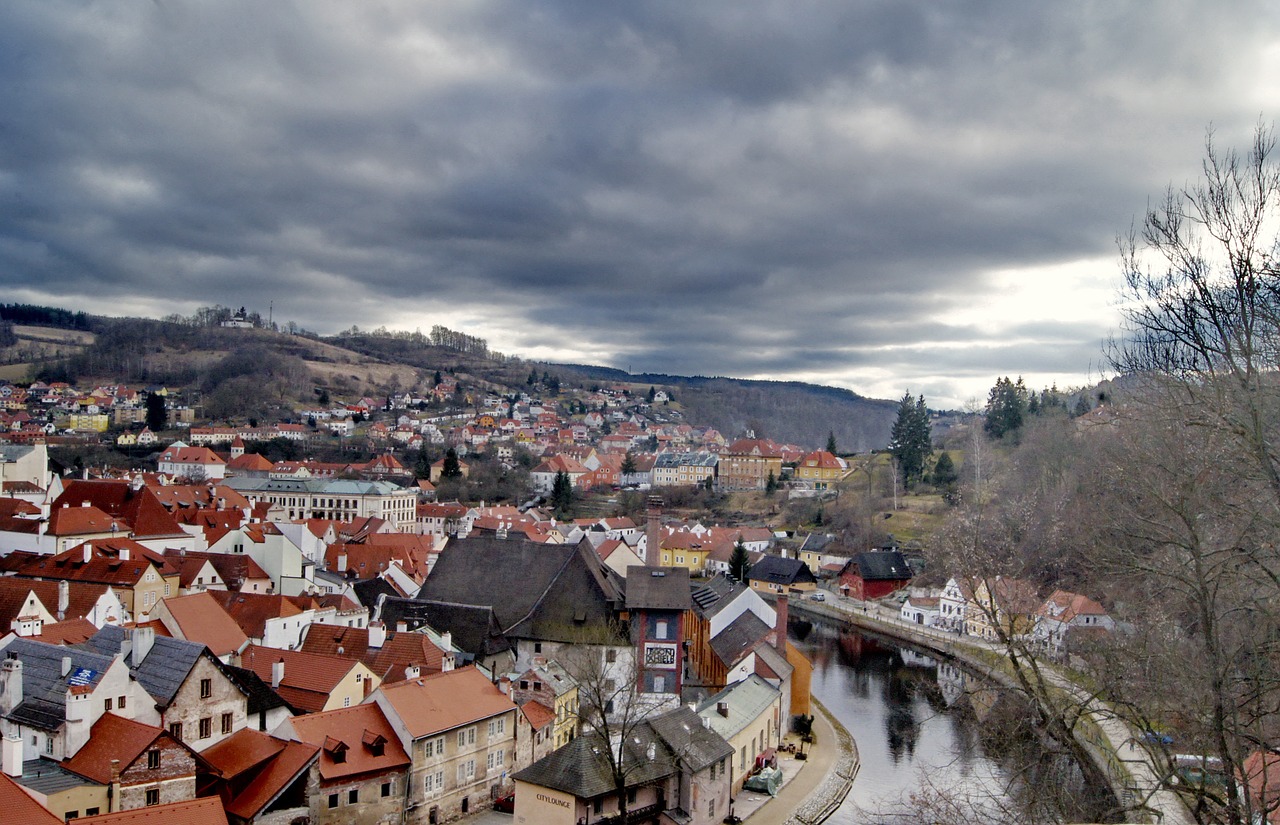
x=887 y=196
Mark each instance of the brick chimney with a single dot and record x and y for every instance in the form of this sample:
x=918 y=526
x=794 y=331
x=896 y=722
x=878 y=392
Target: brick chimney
x=780 y=624
x=653 y=531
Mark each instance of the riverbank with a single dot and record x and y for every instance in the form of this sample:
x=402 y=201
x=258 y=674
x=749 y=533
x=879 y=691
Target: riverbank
x=1105 y=737
x=813 y=787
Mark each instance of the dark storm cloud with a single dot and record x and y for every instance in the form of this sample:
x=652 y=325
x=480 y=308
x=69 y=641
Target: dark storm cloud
x=750 y=188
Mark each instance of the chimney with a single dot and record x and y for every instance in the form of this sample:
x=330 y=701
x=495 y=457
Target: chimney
x=653 y=530
x=402 y=627
x=277 y=673
x=412 y=672
x=124 y=553
x=722 y=708
x=651 y=751
x=66 y=665
x=64 y=598
x=143 y=639
x=88 y=552
x=10 y=685
x=377 y=635
x=780 y=626
x=342 y=562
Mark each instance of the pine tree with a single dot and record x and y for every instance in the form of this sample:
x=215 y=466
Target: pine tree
x=562 y=493
x=739 y=562
x=911 y=438
x=628 y=464
x=831 y=443
x=452 y=468
x=770 y=484
x=157 y=414
x=1006 y=408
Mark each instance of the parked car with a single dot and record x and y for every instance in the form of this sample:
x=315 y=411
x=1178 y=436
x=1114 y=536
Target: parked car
x=818 y=597
x=505 y=804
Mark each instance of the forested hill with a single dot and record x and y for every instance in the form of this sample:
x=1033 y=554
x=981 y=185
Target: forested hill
x=259 y=372
x=789 y=411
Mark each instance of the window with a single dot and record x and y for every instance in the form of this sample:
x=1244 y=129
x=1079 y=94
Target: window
x=353 y=796
x=226 y=723
x=497 y=727
x=72 y=815
x=206 y=727
x=495 y=760
x=661 y=631
x=610 y=656
x=467 y=771
x=175 y=730
x=48 y=745
x=524 y=684
x=714 y=765
x=333 y=800
x=386 y=789
x=346 y=701
x=742 y=761
x=119 y=704
x=435 y=782
x=206 y=688
x=537 y=647
x=711 y=808
x=106 y=705
x=153 y=796
x=91 y=811
x=467 y=736
x=631 y=796
x=153 y=759
x=597 y=807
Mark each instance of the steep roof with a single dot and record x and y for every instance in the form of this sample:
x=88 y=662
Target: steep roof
x=743 y=702
x=398 y=650
x=475 y=628
x=118 y=561
x=309 y=678
x=81 y=597
x=881 y=565
x=777 y=570
x=201 y=618
x=739 y=638
x=443 y=701
x=276 y=765
x=204 y=811
x=251 y=611
x=658 y=588
x=44 y=687
x=19 y=806
x=232 y=568
x=369 y=743
x=165 y=667
x=138 y=508
x=112 y=738
x=537 y=591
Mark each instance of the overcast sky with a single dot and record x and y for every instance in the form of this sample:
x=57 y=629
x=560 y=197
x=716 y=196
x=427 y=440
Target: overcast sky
x=885 y=196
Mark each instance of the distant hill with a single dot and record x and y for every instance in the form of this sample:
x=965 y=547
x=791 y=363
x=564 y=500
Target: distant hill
x=790 y=411
x=259 y=372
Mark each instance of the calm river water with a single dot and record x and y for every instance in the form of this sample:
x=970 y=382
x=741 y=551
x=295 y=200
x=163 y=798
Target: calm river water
x=921 y=726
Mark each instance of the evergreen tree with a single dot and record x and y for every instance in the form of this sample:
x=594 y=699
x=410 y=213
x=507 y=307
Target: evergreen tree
x=157 y=414
x=562 y=493
x=452 y=468
x=770 y=484
x=911 y=438
x=739 y=562
x=945 y=474
x=422 y=465
x=653 y=393
x=1006 y=408
x=628 y=464
x=831 y=443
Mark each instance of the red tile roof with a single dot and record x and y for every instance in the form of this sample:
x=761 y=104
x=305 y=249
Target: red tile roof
x=69 y=632
x=539 y=715
x=106 y=564
x=309 y=678
x=112 y=738
x=18 y=806
x=363 y=729
x=398 y=651
x=206 y=811
x=276 y=765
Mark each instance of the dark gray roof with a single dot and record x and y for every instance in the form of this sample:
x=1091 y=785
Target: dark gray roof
x=165 y=667
x=658 y=588
x=884 y=565
x=474 y=628
x=581 y=767
x=367 y=591
x=742 y=635
x=685 y=734
x=261 y=696
x=711 y=597
x=537 y=591
x=44 y=687
x=46 y=777
x=817 y=542
x=777 y=570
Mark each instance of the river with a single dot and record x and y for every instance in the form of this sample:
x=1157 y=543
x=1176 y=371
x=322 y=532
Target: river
x=927 y=734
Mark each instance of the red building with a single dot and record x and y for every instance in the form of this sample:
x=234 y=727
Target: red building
x=875 y=574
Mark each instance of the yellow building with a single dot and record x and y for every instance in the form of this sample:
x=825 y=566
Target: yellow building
x=820 y=469
x=97 y=422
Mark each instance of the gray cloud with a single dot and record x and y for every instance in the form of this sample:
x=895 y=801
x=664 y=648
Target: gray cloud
x=751 y=188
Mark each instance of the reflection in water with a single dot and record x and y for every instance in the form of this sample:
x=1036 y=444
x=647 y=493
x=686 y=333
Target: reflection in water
x=922 y=730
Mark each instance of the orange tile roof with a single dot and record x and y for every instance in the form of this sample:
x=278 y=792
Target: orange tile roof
x=309 y=678
x=361 y=729
x=398 y=651
x=242 y=751
x=200 y=618
x=539 y=715
x=206 y=811
x=112 y=738
x=277 y=763
x=105 y=565
x=443 y=701
x=69 y=632
x=18 y=806
x=252 y=610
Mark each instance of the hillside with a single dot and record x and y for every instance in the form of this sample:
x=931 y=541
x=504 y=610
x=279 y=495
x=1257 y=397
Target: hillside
x=246 y=372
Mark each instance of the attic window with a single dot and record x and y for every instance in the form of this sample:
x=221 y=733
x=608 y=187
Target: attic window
x=336 y=748
x=375 y=742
